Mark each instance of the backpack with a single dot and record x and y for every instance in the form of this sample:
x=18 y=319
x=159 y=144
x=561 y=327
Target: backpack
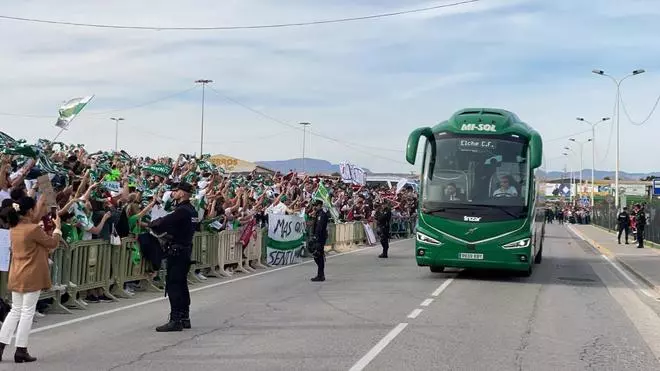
x=122 y=225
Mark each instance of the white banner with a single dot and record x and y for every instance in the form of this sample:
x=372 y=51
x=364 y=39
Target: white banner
x=345 y=171
x=359 y=177
x=286 y=239
x=285 y=228
x=352 y=174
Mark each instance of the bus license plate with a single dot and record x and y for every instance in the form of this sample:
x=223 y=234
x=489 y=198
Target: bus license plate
x=471 y=256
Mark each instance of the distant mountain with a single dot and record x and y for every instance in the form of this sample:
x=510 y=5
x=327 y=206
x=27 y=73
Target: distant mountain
x=600 y=174
x=312 y=166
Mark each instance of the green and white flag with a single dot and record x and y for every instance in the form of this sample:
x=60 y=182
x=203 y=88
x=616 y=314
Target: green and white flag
x=323 y=195
x=285 y=239
x=161 y=170
x=70 y=110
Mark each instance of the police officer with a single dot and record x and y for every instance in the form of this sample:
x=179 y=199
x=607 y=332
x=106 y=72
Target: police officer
x=180 y=228
x=319 y=237
x=383 y=220
x=623 y=220
x=640 y=219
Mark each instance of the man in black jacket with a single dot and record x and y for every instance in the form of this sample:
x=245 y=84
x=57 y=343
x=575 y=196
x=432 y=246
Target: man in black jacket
x=623 y=220
x=180 y=228
x=319 y=237
x=383 y=220
x=640 y=223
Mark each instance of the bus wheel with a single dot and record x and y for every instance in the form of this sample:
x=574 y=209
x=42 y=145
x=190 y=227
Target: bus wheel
x=539 y=256
x=437 y=268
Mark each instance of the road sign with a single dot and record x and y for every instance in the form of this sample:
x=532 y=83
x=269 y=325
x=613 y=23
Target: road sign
x=656 y=187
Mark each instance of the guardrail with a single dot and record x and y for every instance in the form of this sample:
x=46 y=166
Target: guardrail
x=96 y=264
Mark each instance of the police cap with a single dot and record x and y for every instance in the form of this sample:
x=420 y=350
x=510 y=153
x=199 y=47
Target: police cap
x=183 y=186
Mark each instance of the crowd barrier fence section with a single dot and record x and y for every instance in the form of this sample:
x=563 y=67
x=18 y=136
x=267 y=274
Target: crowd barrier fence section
x=96 y=264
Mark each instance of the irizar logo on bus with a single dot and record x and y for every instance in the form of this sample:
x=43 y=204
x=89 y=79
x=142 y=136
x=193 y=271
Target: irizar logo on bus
x=478 y=127
x=471 y=218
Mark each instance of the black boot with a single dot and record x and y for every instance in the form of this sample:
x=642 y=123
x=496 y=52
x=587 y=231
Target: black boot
x=318 y=279
x=185 y=319
x=2 y=350
x=22 y=356
x=174 y=324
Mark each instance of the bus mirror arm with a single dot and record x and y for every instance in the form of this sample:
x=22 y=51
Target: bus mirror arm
x=413 y=143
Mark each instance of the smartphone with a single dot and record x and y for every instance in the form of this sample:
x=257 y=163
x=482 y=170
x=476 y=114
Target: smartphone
x=53 y=212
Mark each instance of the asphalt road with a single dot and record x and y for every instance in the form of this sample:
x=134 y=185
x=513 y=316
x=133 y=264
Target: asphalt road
x=577 y=312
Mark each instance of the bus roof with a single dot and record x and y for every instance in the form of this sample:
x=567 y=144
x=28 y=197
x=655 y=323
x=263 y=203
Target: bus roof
x=485 y=121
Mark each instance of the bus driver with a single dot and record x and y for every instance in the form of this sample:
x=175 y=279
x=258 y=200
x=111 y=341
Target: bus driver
x=506 y=188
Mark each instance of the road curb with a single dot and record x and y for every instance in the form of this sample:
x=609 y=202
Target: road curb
x=639 y=276
x=609 y=254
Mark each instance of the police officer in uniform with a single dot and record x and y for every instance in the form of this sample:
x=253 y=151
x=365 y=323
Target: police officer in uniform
x=383 y=219
x=640 y=218
x=623 y=220
x=319 y=237
x=180 y=228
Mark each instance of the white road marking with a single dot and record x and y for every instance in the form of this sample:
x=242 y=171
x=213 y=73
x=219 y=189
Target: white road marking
x=645 y=320
x=626 y=276
x=364 y=361
x=426 y=303
x=415 y=313
x=442 y=287
x=221 y=283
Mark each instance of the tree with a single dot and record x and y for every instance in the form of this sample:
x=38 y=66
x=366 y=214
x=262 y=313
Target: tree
x=335 y=174
x=607 y=178
x=648 y=178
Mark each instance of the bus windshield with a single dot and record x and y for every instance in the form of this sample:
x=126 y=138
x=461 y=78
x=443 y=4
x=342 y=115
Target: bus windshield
x=484 y=175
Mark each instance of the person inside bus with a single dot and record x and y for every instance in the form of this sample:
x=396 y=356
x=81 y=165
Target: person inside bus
x=506 y=188
x=451 y=192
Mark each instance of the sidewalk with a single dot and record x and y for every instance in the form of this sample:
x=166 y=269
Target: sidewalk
x=643 y=263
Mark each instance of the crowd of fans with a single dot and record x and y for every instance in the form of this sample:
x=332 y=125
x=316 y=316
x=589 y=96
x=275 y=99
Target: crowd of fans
x=106 y=195
x=573 y=214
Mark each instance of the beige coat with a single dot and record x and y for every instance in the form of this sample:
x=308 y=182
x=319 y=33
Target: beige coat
x=30 y=246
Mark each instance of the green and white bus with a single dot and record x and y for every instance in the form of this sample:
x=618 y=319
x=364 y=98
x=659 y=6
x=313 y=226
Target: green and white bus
x=478 y=205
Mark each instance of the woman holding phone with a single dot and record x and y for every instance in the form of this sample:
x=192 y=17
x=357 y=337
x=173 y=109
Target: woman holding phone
x=29 y=273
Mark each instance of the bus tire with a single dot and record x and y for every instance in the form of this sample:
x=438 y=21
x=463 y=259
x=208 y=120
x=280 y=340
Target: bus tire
x=539 y=256
x=437 y=268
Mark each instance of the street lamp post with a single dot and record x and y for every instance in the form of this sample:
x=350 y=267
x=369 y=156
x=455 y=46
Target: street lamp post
x=593 y=150
x=304 y=125
x=201 y=139
x=618 y=116
x=568 y=160
x=116 y=120
x=581 y=144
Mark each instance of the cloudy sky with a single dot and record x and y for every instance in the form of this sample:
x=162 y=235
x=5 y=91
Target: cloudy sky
x=363 y=85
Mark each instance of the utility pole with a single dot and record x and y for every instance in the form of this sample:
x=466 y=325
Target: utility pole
x=581 y=144
x=618 y=116
x=201 y=139
x=593 y=150
x=304 y=125
x=116 y=120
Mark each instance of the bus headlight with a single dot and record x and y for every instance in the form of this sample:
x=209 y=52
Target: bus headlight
x=517 y=244
x=421 y=237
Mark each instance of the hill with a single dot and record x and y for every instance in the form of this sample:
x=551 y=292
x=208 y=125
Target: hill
x=312 y=166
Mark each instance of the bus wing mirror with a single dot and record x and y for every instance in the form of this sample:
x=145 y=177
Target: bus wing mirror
x=536 y=151
x=413 y=142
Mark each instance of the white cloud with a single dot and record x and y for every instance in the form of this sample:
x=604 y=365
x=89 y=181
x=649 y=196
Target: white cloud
x=368 y=82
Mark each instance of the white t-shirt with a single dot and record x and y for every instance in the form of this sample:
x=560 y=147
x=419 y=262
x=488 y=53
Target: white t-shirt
x=511 y=191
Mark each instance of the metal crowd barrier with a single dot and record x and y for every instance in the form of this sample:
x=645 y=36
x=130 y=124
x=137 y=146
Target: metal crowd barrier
x=96 y=264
